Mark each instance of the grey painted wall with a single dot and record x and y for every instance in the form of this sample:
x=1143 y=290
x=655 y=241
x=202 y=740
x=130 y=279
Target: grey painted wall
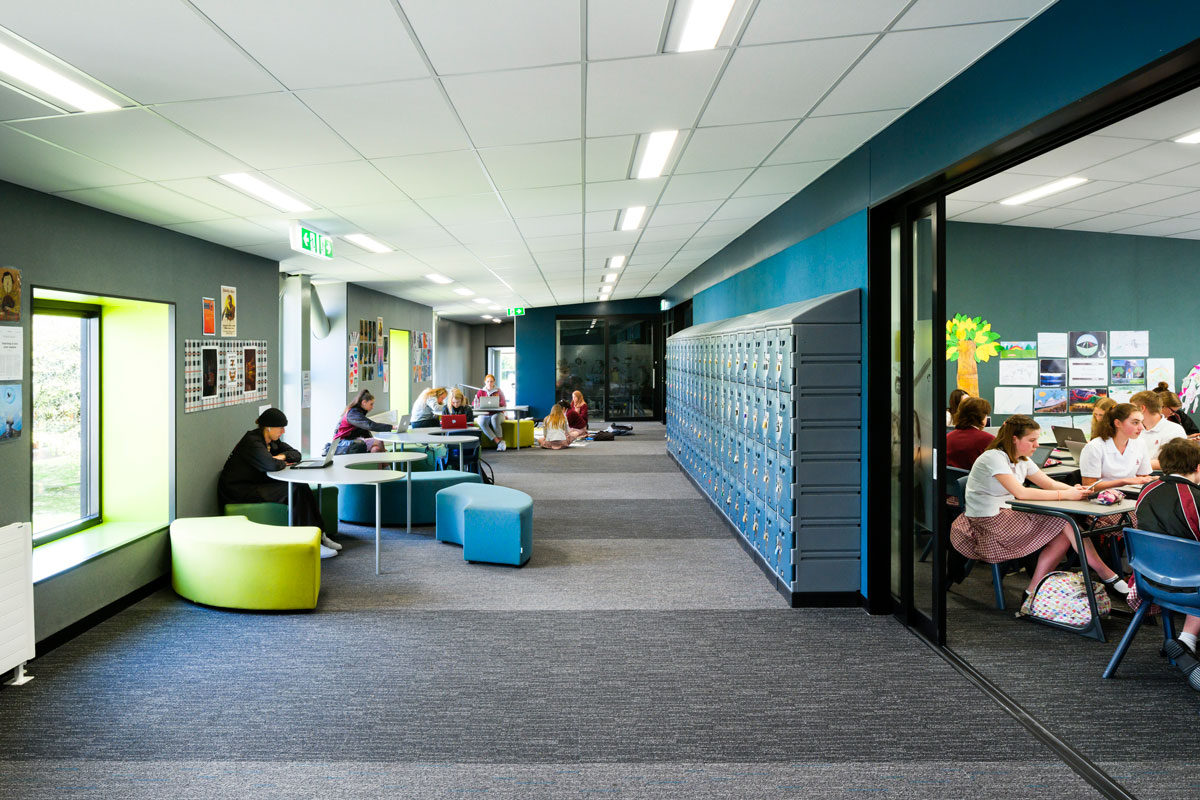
x=63 y=245
x=452 y=354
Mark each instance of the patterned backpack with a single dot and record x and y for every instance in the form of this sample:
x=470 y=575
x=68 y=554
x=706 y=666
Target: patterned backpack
x=1062 y=597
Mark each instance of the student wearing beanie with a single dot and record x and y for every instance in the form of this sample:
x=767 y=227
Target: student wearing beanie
x=244 y=477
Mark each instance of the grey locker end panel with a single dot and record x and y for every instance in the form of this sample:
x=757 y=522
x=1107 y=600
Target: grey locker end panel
x=828 y=473
x=828 y=575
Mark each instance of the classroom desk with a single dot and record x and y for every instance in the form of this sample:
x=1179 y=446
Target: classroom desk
x=342 y=472
x=517 y=409
x=1070 y=510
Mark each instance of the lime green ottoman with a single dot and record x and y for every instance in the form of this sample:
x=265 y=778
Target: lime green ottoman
x=514 y=428
x=276 y=513
x=231 y=562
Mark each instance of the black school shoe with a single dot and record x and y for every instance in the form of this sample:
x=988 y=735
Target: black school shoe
x=1185 y=660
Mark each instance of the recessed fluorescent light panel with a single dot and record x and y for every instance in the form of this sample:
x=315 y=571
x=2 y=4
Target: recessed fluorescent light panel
x=486 y=316
x=495 y=308
x=1191 y=138
x=433 y=276
x=655 y=150
x=483 y=301
x=464 y=291
x=631 y=218
x=699 y=24
x=616 y=262
x=261 y=190
x=1057 y=186
x=610 y=277
x=46 y=81
x=367 y=243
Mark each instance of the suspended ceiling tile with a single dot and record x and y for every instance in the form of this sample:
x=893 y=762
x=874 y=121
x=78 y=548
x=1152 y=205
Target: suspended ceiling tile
x=136 y=141
x=17 y=105
x=550 y=201
x=995 y=214
x=501 y=253
x=704 y=186
x=668 y=233
x=782 y=178
x=609 y=158
x=750 y=206
x=640 y=95
x=529 y=166
x=905 y=67
x=1125 y=197
x=928 y=13
x=731 y=146
x=1111 y=222
x=1177 y=206
x=730 y=227
x=624 y=28
x=954 y=207
x=436 y=174
x=48 y=168
x=623 y=194
x=999 y=187
x=228 y=232
x=152 y=51
x=348 y=183
x=819 y=138
x=683 y=213
x=1168 y=120
x=480 y=35
x=1188 y=177
x=390 y=119
x=1053 y=218
x=147 y=202
x=359 y=41
x=518 y=107
x=495 y=232
x=1078 y=155
x=218 y=195
x=396 y=264
x=790 y=20
x=542 y=245
x=777 y=81
x=470 y=209
x=1146 y=163
x=406 y=238
x=557 y=225
x=611 y=242
x=402 y=215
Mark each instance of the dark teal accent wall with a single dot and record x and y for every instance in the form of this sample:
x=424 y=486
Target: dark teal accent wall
x=1026 y=280
x=536 y=338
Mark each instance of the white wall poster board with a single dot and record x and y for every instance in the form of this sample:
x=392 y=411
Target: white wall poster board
x=1122 y=393
x=1019 y=373
x=1047 y=424
x=1158 y=370
x=1088 y=371
x=1013 y=400
x=1129 y=343
x=11 y=351
x=1052 y=345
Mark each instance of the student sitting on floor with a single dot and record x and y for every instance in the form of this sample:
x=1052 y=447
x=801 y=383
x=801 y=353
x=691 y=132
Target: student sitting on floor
x=1173 y=410
x=1117 y=456
x=556 y=434
x=988 y=530
x=355 y=424
x=577 y=414
x=430 y=405
x=1171 y=505
x=968 y=440
x=1098 y=411
x=1157 y=429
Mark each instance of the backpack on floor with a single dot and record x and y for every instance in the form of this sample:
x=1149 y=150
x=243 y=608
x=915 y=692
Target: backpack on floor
x=617 y=429
x=1062 y=597
x=485 y=472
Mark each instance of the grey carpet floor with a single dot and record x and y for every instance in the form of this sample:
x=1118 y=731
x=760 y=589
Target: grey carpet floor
x=637 y=655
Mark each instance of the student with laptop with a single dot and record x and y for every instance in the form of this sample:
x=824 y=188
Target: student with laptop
x=458 y=407
x=244 y=476
x=430 y=405
x=486 y=399
x=1158 y=429
x=1117 y=456
x=355 y=424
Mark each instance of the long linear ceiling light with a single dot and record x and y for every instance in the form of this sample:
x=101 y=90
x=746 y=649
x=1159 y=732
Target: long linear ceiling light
x=655 y=153
x=1191 y=138
x=44 y=79
x=264 y=191
x=1039 y=192
x=367 y=243
x=436 y=278
x=705 y=21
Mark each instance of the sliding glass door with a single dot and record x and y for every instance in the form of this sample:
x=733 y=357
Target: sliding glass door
x=613 y=362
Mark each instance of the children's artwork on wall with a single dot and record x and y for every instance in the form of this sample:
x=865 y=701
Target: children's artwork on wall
x=208 y=312
x=1160 y=370
x=1019 y=373
x=1189 y=389
x=1083 y=422
x=1128 y=371
x=1129 y=343
x=223 y=373
x=1084 y=400
x=1120 y=393
x=1052 y=345
x=229 y=311
x=10 y=294
x=1052 y=372
x=1087 y=344
x=1088 y=371
x=1018 y=350
x=11 y=418
x=1013 y=400
x=1049 y=401
x=353 y=362
x=969 y=340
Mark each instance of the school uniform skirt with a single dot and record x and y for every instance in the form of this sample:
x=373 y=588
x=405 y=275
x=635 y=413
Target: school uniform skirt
x=1008 y=535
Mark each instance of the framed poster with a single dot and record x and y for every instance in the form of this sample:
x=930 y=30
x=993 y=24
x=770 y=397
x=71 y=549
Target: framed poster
x=10 y=294
x=208 y=311
x=228 y=311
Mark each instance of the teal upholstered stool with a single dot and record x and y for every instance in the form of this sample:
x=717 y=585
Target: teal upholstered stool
x=494 y=524
x=356 y=503
x=276 y=513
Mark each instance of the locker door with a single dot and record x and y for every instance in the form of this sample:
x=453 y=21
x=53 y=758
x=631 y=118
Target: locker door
x=767 y=423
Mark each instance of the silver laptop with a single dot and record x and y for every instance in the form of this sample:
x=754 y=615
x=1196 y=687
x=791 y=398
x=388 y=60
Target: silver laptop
x=1064 y=434
x=317 y=463
x=492 y=401
x=1076 y=449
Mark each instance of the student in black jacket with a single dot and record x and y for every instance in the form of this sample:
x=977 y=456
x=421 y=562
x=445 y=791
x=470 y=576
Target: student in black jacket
x=1171 y=506
x=244 y=477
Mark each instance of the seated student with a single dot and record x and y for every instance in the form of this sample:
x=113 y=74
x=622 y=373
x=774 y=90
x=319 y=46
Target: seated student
x=1098 y=411
x=1116 y=456
x=355 y=424
x=458 y=405
x=1173 y=410
x=1171 y=505
x=490 y=423
x=555 y=433
x=956 y=397
x=577 y=414
x=244 y=477
x=430 y=405
x=968 y=440
x=1158 y=430
x=990 y=531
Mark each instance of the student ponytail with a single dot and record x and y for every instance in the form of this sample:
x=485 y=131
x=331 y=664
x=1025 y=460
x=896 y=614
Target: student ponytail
x=1107 y=428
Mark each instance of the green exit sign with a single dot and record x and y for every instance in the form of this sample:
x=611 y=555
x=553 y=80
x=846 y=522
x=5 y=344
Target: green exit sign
x=516 y=312
x=310 y=241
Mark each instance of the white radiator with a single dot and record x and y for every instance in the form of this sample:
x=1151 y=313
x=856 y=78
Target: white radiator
x=16 y=599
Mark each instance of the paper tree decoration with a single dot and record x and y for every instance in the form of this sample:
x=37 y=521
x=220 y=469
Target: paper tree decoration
x=1189 y=392
x=968 y=340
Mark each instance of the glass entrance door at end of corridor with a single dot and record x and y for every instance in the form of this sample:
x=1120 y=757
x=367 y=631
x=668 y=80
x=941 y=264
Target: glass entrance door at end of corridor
x=502 y=362
x=399 y=371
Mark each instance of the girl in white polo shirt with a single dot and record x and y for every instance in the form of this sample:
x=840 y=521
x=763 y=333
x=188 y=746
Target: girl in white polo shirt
x=1157 y=429
x=991 y=531
x=1117 y=456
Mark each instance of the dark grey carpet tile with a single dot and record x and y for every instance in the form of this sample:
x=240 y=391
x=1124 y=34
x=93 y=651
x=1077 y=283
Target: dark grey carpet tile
x=557 y=463
x=977 y=780
x=601 y=486
x=534 y=688
x=629 y=518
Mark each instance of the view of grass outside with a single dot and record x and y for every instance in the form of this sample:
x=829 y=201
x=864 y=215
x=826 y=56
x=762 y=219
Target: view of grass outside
x=57 y=427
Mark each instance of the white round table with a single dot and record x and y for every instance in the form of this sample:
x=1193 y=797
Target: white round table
x=433 y=436
x=342 y=472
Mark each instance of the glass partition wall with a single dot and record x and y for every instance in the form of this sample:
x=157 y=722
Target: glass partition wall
x=613 y=361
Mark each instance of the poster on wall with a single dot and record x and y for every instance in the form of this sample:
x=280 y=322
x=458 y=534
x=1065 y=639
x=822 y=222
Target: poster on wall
x=208 y=313
x=1019 y=373
x=1087 y=344
x=209 y=370
x=223 y=373
x=1084 y=400
x=11 y=418
x=1052 y=345
x=1129 y=343
x=250 y=369
x=354 y=366
x=1013 y=400
x=1160 y=370
x=12 y=350
x=1121 y=393
x=229 y=311
x=1049 y=401
x=1052 y=371
x=1018 y=349
x=1089 y=371
x=10 y=295
x=1128 y=372
x=1083 y=422
x=233 y=375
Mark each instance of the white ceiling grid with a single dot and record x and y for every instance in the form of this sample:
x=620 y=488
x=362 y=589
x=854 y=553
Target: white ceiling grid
x=491 y=142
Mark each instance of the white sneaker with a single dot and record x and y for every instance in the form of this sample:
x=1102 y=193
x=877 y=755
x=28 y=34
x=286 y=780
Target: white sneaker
x=330 y=543
x=501 y=446
x=327 y=552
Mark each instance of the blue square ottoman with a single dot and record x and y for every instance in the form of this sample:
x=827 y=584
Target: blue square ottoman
x=494 y=524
